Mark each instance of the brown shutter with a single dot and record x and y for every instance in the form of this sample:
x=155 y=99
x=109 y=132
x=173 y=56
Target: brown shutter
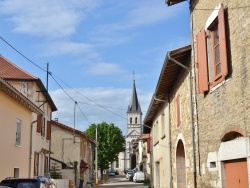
x=222 y=42
x=48 y=134
x=39 y=123
x=202 y=61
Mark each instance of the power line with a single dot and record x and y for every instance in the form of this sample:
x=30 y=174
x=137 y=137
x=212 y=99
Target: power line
x=22 y=54
x=51 y=74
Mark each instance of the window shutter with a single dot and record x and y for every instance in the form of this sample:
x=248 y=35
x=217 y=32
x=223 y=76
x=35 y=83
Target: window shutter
x=222 y=42
x=39 y=123
x=202 y=62
x=48 y=135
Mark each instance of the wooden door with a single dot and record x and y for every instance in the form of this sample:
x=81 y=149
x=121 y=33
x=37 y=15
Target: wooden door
x=236 y=173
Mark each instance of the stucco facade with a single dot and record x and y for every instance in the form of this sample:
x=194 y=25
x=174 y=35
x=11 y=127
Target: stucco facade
x=14 y=156
x=33 y=90
x=69 y=145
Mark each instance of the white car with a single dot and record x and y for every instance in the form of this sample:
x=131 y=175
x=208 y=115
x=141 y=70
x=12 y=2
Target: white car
x=139 y=177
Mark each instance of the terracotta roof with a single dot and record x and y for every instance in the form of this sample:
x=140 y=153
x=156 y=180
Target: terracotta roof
x=73 y=130
x=9 y=70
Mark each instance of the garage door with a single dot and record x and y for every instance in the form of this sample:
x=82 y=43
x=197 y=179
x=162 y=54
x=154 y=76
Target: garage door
x=236 y=173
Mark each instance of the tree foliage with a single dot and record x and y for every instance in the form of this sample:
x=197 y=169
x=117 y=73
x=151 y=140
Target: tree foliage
x=110 y=143
x=55 y=172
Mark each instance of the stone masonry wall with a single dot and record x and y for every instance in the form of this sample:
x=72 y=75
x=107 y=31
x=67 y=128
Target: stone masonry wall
x=184 y=131
x=227 y=107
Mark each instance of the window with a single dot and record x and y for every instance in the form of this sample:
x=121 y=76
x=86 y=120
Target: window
x=156 y=133
x=16 y=172
x=46 y=164
x=36 y=163
x=18 y=132
x=211 y=51
x=178 y=111
x=136 y=120
x=131 y=120
x=39 y=124
x=48 y=136
x=117 y=163
x=162 y=125
x=43 y=127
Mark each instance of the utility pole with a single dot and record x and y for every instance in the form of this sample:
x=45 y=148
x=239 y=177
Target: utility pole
x=96 y=169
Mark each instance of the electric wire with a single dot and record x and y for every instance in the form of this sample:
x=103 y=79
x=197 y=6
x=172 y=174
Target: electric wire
x=51 y=74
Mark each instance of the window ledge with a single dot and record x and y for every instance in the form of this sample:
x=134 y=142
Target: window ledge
x=19 y=146
x=223 y=83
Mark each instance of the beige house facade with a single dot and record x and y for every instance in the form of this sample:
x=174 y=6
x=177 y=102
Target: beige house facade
x=38 y=132
x=70 y=145
x=168 y=120
x=16 y=119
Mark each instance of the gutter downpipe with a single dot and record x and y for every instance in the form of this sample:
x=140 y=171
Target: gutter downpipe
x=170 y=146
x=191 y=113
x=31 y=136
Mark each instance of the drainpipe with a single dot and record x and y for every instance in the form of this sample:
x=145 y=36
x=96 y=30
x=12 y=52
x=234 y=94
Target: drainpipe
x=170 y=146
x=31 y=131
x=191 y=113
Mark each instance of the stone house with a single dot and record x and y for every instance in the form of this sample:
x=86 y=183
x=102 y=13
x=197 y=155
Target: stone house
x=169 y=121
x=221 y=55
x=33 y=128
x=70 y=145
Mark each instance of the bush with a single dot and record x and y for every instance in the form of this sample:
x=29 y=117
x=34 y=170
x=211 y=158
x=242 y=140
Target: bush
x=147 y=182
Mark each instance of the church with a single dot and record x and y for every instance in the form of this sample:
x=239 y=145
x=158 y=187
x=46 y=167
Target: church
x=127 y=160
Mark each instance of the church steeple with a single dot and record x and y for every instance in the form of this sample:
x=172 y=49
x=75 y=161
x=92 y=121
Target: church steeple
x=134 y=106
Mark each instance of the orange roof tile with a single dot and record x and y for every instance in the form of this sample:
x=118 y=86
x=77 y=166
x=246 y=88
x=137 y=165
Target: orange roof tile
x=9 y=70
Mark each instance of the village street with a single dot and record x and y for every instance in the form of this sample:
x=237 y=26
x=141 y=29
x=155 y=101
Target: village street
x=120 y=181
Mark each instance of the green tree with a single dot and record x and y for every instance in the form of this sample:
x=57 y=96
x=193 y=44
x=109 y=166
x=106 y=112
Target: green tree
x=55 y=172
x=110 y=143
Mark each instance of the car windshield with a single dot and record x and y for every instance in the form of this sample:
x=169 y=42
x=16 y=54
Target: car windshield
x=21 y=183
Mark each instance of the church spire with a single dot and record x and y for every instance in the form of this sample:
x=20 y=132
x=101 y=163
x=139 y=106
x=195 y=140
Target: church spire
x=134 y=105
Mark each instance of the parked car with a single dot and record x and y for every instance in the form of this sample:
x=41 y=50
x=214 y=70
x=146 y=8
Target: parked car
x=116 y=172
x=112 y=172
x=131 y=177
x=129 y=172
x=38 y=182
x=139 y=177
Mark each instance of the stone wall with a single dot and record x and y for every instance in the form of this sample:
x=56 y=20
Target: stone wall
x=226 y=107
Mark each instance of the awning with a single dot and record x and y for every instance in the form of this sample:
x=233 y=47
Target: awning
x=45 y=151
x=84 y=166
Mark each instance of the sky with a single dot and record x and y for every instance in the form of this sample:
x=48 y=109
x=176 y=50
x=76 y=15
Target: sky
x=92 y=48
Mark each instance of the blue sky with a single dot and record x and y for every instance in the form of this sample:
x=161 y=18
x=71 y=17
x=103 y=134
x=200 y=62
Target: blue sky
x=93 y=46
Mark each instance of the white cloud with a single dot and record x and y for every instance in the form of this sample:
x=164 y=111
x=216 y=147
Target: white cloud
x=65 y=47
x=113 y=100
x=136 y=15
x=53 y=19
x=105 y=69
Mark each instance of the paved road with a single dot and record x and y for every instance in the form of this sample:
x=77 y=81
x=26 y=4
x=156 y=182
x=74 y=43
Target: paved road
x=120 y=181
